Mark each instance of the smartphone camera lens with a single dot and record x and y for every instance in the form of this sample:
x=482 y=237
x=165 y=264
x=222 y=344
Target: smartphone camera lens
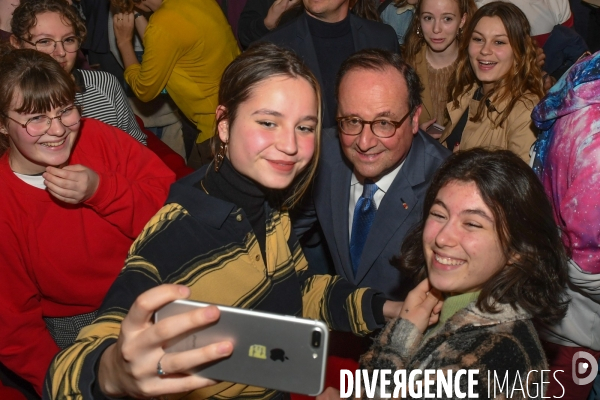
x=316 y=338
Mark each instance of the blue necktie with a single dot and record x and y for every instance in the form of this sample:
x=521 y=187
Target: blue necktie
x=364 y=214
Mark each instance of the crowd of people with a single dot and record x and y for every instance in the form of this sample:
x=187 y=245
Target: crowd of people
x=417 y=174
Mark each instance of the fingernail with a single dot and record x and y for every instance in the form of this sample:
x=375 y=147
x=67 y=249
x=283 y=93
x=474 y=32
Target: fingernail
x=211 y=313
x=224 y=348
x=184 y=290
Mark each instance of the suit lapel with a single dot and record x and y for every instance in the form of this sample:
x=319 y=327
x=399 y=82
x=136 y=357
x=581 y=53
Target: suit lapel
x=340 y=198
x=360 y=39
x=391 y=213
x=306 y=48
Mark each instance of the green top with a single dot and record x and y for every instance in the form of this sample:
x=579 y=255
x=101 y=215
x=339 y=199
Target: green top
x=452 y=304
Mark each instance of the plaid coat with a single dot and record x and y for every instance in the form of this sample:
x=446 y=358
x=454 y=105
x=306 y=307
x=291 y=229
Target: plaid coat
x=498 y=345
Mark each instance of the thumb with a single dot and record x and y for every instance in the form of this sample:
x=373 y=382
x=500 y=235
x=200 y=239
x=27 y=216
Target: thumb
x=432 y=299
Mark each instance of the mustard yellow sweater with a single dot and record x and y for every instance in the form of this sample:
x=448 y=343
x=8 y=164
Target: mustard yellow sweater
x=187 y=45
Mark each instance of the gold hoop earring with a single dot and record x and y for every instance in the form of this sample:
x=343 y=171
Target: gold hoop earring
x=419 y=33
x=220 y=156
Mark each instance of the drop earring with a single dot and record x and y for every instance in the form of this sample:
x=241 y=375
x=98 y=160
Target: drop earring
x=459 y=33
x=220 y=156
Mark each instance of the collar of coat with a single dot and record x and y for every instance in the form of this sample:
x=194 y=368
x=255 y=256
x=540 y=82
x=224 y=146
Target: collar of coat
x=473 y=316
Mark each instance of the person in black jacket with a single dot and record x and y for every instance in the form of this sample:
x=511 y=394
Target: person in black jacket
x=260 y=17
x=324 y=36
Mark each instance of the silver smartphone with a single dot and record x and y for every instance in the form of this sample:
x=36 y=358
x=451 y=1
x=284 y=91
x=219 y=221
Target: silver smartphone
x=269 y=350
x=435 y=129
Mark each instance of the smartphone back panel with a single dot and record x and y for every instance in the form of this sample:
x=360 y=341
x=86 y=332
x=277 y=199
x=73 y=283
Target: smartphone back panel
x=269 y=350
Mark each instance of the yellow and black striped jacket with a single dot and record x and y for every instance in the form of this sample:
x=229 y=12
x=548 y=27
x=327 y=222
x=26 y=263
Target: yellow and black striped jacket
x=208 y=245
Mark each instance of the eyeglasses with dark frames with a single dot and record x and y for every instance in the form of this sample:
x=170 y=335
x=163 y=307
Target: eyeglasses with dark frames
x=47 y=45
x=39 y=125
x=383 y=128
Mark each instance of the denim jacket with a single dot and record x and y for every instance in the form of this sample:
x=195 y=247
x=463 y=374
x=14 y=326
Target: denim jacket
x=399 y=19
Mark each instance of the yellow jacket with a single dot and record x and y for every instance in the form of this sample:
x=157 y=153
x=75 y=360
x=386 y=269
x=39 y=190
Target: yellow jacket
x=516 y=134
x=187 y=45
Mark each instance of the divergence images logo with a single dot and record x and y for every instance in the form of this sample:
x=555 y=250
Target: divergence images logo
x=579 y=367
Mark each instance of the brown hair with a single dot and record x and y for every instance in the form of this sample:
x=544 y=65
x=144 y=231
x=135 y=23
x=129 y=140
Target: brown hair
x=260 y=62
x=414 y=42
x=535 y=278
x=24 y=17
x=525 y=75
x=40 y=80
x=365 y=9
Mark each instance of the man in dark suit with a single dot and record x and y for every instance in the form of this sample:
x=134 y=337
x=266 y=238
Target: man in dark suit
x=374 y=171
x=324 y=36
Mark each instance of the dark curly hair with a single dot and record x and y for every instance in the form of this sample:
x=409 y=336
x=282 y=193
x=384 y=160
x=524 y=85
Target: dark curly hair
x=24 y=17
x=365 y=9
x=536 y=276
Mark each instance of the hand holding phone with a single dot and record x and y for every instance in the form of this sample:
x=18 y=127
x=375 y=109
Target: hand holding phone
x=130 y=366
x=270 y=350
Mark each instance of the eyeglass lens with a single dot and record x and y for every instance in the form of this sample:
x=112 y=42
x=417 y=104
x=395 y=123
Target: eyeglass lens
x=381 y=127
x=70 y=44
x=39 y=125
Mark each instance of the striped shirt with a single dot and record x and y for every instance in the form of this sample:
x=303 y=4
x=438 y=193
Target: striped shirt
x=102 y=98
x=208 y=245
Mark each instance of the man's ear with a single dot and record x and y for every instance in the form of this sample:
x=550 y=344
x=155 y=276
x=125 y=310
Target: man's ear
x=415 y=119
x=223 y=125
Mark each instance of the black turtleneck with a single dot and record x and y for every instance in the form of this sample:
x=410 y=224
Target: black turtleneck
x=333 y=44
x=231 y=186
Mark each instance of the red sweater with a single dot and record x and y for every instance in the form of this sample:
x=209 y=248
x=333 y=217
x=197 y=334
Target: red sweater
x=59 y=260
